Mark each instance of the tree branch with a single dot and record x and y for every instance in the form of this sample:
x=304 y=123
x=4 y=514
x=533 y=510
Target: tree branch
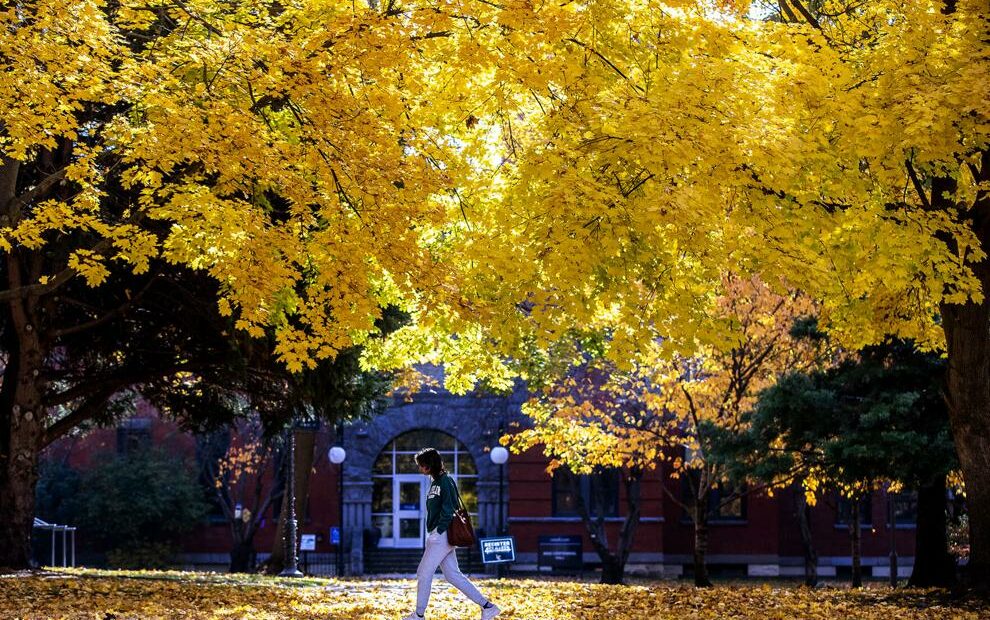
x=917 y=185
x=10 y=209
x=605 y=60
x=674 y=499
x=119 y=310
x=808 y=17
x=209 y=27
x=117 y=382
x=87 y=410
x=8 y=180
x=786 y=11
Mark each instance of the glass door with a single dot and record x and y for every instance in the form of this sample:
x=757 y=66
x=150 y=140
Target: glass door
x=409 y=491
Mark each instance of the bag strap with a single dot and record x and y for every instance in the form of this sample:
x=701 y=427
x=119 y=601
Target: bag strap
x=456 y=492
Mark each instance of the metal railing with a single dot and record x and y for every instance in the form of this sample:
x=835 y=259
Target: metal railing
x=68 y=533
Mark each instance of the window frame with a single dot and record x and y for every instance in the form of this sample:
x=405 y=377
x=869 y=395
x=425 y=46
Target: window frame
x=583 y=484
x=865 y=502
x=452 y=459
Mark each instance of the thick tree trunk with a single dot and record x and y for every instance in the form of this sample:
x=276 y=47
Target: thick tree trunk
x=242 y=556
x=856 y=537
x=933 y=565
x=613 y=571
x=700 y=518
x=967 y=334
x=967 y=339
x=22 y=420
x=17 y=481
x=803 y=513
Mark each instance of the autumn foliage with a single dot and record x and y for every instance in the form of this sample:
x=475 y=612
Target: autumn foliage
x=192 y=596
x=667 y=409
x=505 y=172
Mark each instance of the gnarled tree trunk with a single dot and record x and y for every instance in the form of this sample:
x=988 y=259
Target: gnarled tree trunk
x=22 y=422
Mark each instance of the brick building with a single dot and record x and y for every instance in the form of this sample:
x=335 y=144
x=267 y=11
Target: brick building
x=384 y=495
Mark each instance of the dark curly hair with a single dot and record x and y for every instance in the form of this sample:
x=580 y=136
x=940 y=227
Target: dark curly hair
x=430 y=459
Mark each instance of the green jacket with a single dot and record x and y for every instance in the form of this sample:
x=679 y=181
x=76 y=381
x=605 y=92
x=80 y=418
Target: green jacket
x=441 y=502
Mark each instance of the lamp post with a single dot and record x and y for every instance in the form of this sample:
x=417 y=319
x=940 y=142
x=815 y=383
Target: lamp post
x=499 y=456
x=337 y=455
x=291 y=556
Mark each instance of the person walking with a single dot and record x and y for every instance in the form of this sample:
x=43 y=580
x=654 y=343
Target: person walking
x=441 y=502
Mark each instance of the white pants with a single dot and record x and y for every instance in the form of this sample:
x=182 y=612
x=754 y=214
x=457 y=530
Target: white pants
x=441 y=553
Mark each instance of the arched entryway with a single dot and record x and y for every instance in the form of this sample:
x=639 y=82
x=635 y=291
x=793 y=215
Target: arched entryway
x=398 y=491
x=381 y=447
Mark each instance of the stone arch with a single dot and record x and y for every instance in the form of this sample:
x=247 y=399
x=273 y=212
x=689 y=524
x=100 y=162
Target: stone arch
x=472 y=420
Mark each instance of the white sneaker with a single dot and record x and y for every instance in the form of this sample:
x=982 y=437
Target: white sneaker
x=487 y=613
x=414 y=616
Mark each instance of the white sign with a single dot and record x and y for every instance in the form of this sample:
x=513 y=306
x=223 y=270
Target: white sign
x=307 y=542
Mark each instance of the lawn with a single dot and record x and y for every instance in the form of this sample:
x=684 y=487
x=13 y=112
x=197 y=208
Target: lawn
x=108 y=595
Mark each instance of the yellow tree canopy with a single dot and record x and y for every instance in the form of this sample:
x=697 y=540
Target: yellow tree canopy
x=682 y=142
x=308 y=155
x=508 y=171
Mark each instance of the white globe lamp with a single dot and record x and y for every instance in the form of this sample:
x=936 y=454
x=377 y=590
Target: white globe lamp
x=337 y=455
x=499 y=455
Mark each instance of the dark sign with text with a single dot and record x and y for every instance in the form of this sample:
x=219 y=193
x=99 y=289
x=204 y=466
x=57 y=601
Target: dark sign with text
x=560 y=553
x=496 y=550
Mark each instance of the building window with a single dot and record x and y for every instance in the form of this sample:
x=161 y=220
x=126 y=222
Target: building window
x=726 y=503
x=133 y=435
x=600 y=492
x=398 y=458
x=905 y=508
x=843 y=511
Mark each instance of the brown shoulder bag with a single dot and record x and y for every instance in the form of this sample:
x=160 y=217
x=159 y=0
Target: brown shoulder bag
x=460 y=532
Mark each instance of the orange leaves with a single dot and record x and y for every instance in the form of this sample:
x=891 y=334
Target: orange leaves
x=601 y=415
x=241 y=470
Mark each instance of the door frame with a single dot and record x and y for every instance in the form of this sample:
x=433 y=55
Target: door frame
x=398 y=513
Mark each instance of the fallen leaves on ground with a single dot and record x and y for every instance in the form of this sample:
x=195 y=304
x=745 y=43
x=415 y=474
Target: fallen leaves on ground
x=109 y=595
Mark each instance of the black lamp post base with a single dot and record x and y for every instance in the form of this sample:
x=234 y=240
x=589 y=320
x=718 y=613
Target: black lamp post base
x=291 y=572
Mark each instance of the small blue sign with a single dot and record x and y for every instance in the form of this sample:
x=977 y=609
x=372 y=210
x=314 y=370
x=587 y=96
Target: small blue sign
x=335 y=536
x=498 y=550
